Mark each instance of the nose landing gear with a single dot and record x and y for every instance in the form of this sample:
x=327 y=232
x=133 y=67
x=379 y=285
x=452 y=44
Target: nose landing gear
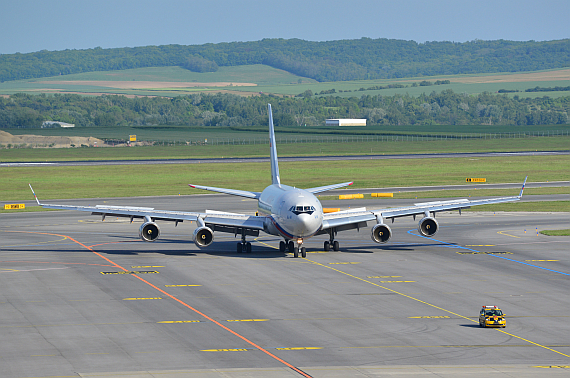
x=295 y=250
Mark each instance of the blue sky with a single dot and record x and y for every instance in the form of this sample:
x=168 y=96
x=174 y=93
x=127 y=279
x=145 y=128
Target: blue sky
x=27 y=25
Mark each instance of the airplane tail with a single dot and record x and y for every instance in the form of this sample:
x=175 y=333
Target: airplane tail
x=275 y=180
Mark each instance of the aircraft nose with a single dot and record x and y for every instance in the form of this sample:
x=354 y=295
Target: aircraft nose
x=308 y=224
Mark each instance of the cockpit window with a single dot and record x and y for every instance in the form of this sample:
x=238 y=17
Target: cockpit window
x=302 y=210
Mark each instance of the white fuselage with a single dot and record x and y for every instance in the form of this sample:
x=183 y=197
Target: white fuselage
x=294 y=214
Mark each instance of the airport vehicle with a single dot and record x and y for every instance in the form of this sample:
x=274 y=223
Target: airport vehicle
x=492 y=316
x=291 y=213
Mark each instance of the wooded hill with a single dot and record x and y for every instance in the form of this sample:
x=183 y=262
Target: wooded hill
x=323 y=61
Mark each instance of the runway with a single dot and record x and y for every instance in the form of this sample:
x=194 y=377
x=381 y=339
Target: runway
x=285 y=158
x=87 y=298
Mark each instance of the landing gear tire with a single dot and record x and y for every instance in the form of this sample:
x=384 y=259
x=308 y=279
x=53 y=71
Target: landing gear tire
x=291 y=247
x=248 y=247
x=282 y=246
x=336 y=246
x=327 y=246
x=296 y=252
x=303 y=252
x=239 y=248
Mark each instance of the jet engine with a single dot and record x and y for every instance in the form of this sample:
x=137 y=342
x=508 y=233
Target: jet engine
x=149 y=231
x=381 y=233
x=428 y=226
x=203 y=237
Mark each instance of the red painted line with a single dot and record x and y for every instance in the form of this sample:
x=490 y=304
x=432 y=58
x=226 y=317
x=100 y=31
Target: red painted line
x=182 y=303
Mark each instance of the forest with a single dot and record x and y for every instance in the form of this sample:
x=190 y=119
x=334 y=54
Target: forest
x=360 y=59
x=228 y=110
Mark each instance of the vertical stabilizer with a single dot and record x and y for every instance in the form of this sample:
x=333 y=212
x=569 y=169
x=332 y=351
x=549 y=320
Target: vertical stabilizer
x=275 y=180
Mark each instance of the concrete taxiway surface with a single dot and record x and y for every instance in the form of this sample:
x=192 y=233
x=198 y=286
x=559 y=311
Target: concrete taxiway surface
x=81 y=297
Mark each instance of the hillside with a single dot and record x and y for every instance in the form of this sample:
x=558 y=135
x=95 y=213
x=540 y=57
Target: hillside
x=361 y=59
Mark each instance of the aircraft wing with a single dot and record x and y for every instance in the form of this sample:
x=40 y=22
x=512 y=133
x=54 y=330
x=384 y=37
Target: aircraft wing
x=219 y=221
x=328 y=187
x=235 y=192
x=357 y=218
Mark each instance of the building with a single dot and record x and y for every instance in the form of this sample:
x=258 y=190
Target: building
x=47 y=124
x=345 y=122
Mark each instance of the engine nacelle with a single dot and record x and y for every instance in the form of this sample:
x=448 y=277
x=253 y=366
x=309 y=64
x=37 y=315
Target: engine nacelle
x=203 y=237
x=149 y=231
x=428 y=226
x=381 y=233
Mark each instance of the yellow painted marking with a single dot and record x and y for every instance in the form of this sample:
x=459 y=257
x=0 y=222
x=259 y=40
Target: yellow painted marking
x=384 y=276
x=134 y=272
x=247 y=320
x=395 y=281
x=223 y=350
x=553 y=367
x=148 y=266
x=299 y=348
x=180 y=285
x=485 y=253
x=503 y=233
x=178 y=321
x=436 y=307
x=542 y=260
x=430 y=317
x=344 y=263
x=139 y=299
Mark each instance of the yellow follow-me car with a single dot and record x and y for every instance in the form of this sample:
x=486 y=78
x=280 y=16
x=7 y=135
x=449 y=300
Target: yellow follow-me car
x=492 y=316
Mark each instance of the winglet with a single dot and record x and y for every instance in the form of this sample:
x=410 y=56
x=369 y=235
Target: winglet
x=38 y=201
x=275 y=180
x=522 y=189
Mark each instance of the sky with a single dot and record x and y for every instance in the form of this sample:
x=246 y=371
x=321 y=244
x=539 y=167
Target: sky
x=34 y=25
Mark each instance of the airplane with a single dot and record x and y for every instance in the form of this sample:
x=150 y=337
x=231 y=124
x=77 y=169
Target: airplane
x=291 y=213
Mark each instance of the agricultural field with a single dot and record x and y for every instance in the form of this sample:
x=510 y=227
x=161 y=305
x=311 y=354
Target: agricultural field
x=253 y=79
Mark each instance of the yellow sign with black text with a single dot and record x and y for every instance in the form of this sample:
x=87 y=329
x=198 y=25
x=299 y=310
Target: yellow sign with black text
x=14 y=206
x=475 y=180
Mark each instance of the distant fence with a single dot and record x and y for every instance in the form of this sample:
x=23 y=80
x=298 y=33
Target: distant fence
x=362 y=138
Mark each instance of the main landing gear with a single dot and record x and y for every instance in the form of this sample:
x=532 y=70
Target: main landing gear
x=243 y=246
x=290 y=246
x=331 y=243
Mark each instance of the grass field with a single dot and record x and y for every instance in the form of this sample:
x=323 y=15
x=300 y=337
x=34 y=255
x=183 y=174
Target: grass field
x=166 y=81
x=284 y=149
x=544 y=206
x=556 y=232
x=173 y=179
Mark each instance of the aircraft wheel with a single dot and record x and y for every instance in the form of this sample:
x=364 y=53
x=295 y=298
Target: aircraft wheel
x=303 y=252
x=296 y=252
x=282 y=246
x=239 y=248
x=248 y=247
x=327 y=246
x=336 y=246
x=291 y=247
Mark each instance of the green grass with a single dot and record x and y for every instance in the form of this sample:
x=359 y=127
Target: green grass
x=543 y=206
x=286 y=149
x=172 y=179
x=556 y=232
